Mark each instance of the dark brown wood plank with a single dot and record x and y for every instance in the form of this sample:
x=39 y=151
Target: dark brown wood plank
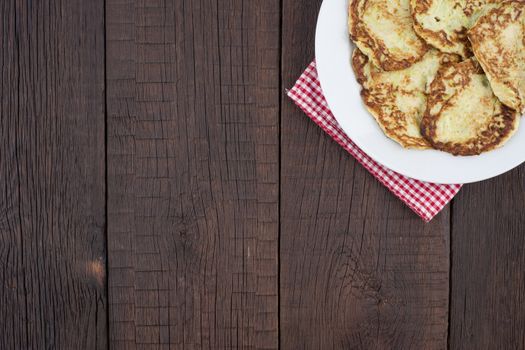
x=488 y=264
x=52 y=240
x=359 y=270
x=193 y=111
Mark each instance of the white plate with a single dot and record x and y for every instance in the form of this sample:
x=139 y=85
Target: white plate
x=333 y=51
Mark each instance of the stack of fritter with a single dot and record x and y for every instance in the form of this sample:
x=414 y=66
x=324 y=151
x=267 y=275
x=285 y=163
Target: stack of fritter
x=443 y=74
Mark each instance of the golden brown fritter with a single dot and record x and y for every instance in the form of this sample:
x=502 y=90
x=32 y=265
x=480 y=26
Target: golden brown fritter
x=463 y=116
x=383 y=30
x=498 y=42
x=444 y=23
x=397 y=99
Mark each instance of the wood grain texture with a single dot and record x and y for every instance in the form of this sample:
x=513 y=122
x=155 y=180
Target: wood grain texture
x=193 y=110
x=359 y=270
x=488 y=264
x=52 y=245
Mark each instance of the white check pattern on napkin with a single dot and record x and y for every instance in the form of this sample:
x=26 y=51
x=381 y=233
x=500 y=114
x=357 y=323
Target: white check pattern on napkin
x=426 y=199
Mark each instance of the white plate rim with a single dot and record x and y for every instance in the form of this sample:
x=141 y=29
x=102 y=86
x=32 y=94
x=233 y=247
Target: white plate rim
x=342 y=95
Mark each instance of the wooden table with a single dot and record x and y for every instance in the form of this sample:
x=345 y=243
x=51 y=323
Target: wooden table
x=158 y=190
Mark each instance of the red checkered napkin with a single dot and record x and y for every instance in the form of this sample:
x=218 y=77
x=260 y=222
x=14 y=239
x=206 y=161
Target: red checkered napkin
x=426 y=199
